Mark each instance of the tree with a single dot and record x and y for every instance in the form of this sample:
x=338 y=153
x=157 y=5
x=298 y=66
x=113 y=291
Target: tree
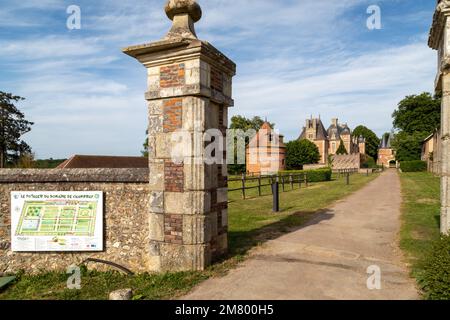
x=145 y=145
x=341 y=149
x=244 y=124
x=416 y=117
x=418 y=113
x=12 y=127
x=408 y=147
x=372 y=141
x=301 y=152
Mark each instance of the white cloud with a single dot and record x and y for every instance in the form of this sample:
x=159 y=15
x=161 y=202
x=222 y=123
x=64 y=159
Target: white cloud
x=295 y=58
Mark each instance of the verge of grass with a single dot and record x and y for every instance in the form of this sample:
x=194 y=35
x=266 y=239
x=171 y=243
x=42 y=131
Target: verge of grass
x=421 y=214
x=251 y=222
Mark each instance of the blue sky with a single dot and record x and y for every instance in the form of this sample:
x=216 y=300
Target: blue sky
x=295 y=58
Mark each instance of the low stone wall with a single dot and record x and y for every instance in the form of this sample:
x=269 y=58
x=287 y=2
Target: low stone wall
x=126 y=216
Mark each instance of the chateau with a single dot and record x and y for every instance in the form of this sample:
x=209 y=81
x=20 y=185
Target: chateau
x=328 y=141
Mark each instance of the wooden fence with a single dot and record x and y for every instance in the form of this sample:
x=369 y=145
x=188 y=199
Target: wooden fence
x=258 y=182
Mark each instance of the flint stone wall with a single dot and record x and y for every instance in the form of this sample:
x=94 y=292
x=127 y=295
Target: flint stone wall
x=126 y=221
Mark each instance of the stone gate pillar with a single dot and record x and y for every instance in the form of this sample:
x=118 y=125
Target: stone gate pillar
x=440 y=40
x=189 y=91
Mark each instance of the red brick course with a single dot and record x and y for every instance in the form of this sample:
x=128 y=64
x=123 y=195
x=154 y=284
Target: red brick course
x=172 y=76
x=174 y=176
x=173 y=111
x=173 y=228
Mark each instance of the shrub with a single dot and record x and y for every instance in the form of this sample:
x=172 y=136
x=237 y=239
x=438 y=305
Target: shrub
x=317 y=175
x=368 y=162
x=435 y=277
x=413 y=166
x=300 y=152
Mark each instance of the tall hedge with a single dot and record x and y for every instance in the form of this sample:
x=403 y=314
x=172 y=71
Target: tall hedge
x=413 y=166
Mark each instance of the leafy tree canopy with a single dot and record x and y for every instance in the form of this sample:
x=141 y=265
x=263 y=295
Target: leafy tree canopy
x=301 y=152
x=12 y=127
x=417 y=116
x=408 y=147
x=418 y=113
x=372 y=141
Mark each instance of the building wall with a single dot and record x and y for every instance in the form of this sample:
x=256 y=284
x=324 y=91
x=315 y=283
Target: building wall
x=385 y=156
x=126 y=216
x=431 y=153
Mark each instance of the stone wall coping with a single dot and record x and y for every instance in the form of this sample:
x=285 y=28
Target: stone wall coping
x=131 y=175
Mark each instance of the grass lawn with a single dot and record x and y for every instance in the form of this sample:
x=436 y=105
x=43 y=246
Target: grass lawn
x=421 y=214
x=251 y=223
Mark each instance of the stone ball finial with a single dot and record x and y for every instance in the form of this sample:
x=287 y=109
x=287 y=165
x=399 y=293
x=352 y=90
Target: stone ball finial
x=178 y=7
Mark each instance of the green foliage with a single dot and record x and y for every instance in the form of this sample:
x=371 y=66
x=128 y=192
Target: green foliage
x=413 y=166
x=408 y=146
x=301 y=152
x=372 y=141
x=318 y=175
x=144 y=152
x=368 y=162
x=435 y=277
x=341 y=149
x=47 y=163
x=245 y=124
x=418 y=113
x=12 y=127
x=416 y=117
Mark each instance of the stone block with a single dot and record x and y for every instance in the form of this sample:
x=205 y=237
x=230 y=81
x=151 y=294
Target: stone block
x=174 y=202
x=195 y=230
x=155 y=124
x=155 y=107
x=176 y=258
x=200 y=177
x=156 y=177
x=197 y=203
x=194 y=114
x=157 y=202
x=163 y=145
x=156 y=227
x=224 y=217
x=213 y=223
x=222 y=195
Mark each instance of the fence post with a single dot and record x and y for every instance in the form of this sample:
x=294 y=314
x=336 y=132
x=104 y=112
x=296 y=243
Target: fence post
x=282 y=182
x=276 y=196
x=291 y=180
x=243 y=186
x=299 y=181
x=348 y=178
x=306 y=180
x=259 y=185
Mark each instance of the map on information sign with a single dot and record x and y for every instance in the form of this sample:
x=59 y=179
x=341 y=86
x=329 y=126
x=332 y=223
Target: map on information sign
x=61 y=221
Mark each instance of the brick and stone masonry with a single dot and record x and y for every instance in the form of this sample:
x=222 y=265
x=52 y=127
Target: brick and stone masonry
x=189 y=91
x=439 y=40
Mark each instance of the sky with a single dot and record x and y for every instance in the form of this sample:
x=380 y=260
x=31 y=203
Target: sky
x=295 y=58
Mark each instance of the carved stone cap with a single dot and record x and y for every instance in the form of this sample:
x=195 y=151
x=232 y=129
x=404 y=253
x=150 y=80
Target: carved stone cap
x=439 y=19
x=177 y=7
x=183 y=13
